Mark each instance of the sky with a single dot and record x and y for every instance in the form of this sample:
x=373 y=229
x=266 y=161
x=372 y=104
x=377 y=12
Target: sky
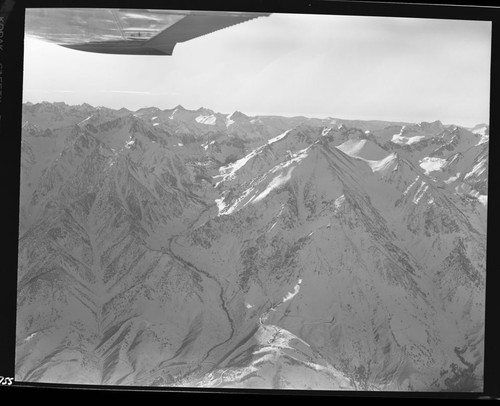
x=351 y=67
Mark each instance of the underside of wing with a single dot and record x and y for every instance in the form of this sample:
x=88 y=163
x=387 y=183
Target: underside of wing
x=127 y=31
x=193 y=26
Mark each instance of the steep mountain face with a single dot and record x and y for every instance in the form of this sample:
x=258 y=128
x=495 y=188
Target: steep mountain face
x=193 y=248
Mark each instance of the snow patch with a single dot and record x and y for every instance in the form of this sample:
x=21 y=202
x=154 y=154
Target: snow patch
x=413 y=140
x=411 y=185
x=338 y=202
x=452 y=178
x=228 y=120
x=30 y=337
x=205 y=146
x=180 y=145
x=208 y=120
x=154 y=118
x=296 y=157
x=432 y=164
x=455 y=157
x=278 y=137
x=272 y=226
x=228 y=172
x=399 y=138
x=275 y=183
x=378 y=166
x=83 y=121
x=325 y=131
x=376 y=157
x=420 y=192
x=155 y=124
x=480 y=130
x=221 y=205
x=232 y=209
x=484 y=138
x=477 y=170
x=364 y=149
x=290 y=295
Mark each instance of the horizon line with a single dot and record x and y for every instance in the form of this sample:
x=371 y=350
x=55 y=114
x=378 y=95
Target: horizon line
x=254 y=114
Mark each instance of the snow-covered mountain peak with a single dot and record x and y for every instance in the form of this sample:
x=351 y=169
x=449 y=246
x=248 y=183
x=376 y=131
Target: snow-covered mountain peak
x=481 y=129
x=362 y=148
x=377 y=158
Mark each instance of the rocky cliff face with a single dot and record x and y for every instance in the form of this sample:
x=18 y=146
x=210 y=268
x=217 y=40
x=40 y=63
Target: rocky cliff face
x=193 y=248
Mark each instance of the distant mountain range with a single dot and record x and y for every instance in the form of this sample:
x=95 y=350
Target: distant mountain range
x=194 y=248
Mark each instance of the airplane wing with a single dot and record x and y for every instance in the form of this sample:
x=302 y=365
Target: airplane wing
x=127 y=31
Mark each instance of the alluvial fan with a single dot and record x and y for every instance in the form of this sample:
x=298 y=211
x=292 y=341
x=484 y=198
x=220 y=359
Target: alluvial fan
x=195 y=248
